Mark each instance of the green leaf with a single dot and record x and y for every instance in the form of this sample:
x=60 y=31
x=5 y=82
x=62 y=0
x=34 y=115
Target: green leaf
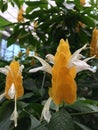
x=34 y=122
x=3 y=22
x=61 y=120
x=27 y=95
x=6 y=109
x=4 y=7
x=29 y=84
x=81 y=126
x=18 y=3
x=59 y=2
x=35 y=4
x=34 y=107
x=87 y=20
x=5 y=124
x=5 y=112
x=41 y=127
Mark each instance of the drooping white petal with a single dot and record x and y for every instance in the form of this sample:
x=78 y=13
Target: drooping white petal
x=50 y=58
x=12 y=91
x=81 y=65
x=14 y=115
x=2 y=96
x=45 y=112
x=45 y=66
x=89 y=58
x=5 y=70
x=21 y=68
x=76 y=54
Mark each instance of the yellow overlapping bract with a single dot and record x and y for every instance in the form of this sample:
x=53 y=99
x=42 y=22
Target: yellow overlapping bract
x=14 y=76
x=63 y=84
x=94 y=43
x=20 y=17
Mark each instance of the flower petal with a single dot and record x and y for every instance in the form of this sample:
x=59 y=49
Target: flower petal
x=45 y=66
x=81 y=65
x=14 y=115
x=2 y=96
x=76 y=53
x=45 y=112
x=21 y=68
x=12 y=91
x=5 y=70
x=50 y=58
x=89 y=58
x=76 y=56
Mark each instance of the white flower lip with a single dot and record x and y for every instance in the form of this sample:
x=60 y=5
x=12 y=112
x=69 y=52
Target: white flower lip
x=80 y=64
x=12 y=91
x=45 y=66
x=45 y=112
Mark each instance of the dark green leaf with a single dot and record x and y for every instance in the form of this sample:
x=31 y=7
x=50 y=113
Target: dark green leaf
x=5 y=124
x=81 y=126
x=88 y=21
x=6 y=110
x=61 y=120
x=34 y=122
x=43 y=126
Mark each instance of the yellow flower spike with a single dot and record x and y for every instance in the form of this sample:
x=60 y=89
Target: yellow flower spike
x=63 y=84
x=64 y=70
x=27 y=51
x=14 y=80
x=64 y=48
x=94 y=43
x=82 y=2
x=13 y=86
x=20 y=17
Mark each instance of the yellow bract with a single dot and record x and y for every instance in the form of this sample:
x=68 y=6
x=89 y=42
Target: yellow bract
x=27 y=51
x=82 y=2
x=14 y=76
x=20 y=17
x=63 y=83
x=94 y=43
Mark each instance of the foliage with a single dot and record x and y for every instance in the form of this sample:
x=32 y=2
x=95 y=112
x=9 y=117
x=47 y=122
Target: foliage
x=52 y=24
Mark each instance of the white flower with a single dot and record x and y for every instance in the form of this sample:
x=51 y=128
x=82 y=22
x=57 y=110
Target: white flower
x=77 y=60
x=80 y=64
x=13 y=88
x=45 y=112
x=14 y=115
x=12 y=91
x=45 y=66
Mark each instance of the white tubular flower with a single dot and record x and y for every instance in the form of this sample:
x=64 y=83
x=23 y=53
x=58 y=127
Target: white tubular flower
x=12 y=91
x=81 y=65
x=45 y=112
x=50 y=58
x=21 y=68
x=45 y=66
x=14 y=115
x=5 y=70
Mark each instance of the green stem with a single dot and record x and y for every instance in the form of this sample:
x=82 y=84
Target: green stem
x=43 y=81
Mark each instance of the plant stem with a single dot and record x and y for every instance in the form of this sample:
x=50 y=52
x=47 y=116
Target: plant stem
x=83 y=113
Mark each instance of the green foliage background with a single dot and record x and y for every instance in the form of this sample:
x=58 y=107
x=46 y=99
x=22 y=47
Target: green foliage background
x=53 y=23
